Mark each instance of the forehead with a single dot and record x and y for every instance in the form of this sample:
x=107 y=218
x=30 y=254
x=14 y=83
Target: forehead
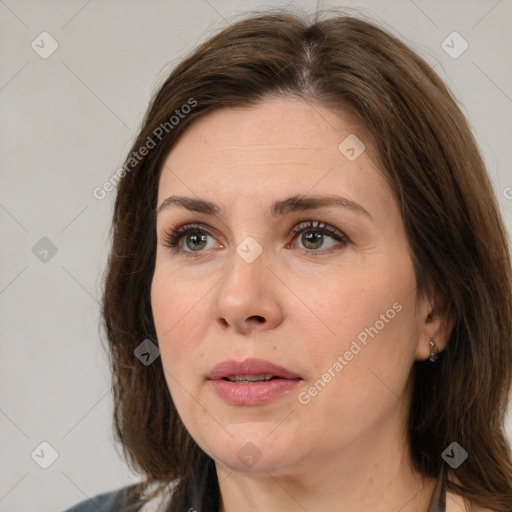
x=276 y=146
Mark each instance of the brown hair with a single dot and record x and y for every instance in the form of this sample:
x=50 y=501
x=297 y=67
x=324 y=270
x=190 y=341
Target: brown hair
x=450 y=213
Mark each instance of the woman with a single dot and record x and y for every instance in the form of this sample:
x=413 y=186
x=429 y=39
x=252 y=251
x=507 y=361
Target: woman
x=308 y=300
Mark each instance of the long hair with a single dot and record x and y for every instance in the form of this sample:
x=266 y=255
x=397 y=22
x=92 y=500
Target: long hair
x=451 y=216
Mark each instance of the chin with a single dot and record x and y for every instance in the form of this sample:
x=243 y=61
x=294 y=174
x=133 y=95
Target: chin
x=252 y=451
x=252 y=461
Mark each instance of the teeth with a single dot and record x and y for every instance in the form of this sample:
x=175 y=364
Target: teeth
x=246 y=379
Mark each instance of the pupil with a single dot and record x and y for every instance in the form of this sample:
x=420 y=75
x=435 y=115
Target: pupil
x=314 y=238
x=195 y=237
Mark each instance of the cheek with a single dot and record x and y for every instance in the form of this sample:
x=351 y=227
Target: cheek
x=351 y=302
x=368 y=319
x=177 y=313
x=179 y=304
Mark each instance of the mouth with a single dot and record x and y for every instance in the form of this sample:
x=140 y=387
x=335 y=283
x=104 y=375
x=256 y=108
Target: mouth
x=250 y=379
x=250 y=370
x=251 y=382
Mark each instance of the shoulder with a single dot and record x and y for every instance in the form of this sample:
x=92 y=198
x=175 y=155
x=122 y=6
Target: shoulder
x=125 y=499
x=130 y=498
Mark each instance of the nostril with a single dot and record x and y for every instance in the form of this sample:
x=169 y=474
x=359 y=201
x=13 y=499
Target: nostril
x=258 y=318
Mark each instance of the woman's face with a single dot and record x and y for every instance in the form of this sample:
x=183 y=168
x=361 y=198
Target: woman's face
x=335 y=304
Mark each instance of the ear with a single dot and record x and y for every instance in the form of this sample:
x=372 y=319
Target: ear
x=434 y=323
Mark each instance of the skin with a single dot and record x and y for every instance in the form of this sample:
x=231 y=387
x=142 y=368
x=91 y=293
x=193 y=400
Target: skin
x=346 y=449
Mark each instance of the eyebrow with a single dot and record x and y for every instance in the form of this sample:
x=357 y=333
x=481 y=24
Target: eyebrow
x=279 y=208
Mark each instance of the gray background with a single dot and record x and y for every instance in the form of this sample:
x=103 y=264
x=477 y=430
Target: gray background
x=67 y=124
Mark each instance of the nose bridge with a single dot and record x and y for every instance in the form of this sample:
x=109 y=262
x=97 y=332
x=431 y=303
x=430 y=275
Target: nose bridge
x=247 y=267
x=246 y=292
x=249 y=238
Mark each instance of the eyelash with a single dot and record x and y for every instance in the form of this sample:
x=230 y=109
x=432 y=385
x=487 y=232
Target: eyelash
x=173 y=236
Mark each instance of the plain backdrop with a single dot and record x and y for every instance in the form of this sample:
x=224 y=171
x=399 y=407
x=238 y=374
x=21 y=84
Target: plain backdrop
x=67 y=122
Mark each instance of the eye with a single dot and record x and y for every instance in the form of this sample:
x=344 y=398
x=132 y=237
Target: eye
x=313 y=236
x=194 y=235
x=195 y=238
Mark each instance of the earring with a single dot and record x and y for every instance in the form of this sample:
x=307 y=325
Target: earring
x=434 y=350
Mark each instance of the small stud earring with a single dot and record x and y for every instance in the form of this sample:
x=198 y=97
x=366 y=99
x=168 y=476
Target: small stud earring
x=434 y=350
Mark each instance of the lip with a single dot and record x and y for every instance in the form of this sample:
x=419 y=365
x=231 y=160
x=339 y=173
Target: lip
x=257 y=393
x=250 y=367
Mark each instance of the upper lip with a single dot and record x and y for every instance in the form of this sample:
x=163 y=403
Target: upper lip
x=252 y=366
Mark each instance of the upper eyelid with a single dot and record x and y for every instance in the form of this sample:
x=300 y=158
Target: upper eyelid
x=318 y=225
x=184 y=228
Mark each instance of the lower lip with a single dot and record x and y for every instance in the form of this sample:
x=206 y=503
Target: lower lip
x=252 y=394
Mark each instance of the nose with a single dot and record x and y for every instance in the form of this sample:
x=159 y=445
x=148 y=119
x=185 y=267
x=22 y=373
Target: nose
x=247 y=298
